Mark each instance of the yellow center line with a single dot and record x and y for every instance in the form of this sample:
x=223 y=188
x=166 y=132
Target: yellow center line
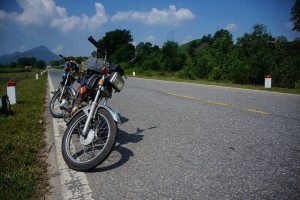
x=220 y=104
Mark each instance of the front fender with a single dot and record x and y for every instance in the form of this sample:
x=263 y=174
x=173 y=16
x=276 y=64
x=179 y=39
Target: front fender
x=86 y=111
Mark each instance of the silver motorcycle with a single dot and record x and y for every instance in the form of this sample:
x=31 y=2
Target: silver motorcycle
x=92 y=131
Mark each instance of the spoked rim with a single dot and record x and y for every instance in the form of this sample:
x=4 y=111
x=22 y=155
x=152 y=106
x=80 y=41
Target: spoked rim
x=56 y=104
x=78 y=149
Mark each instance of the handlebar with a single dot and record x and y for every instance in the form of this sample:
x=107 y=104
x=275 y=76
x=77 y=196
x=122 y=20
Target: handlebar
x=96 y=44
x=64 y=57
x=91 y=39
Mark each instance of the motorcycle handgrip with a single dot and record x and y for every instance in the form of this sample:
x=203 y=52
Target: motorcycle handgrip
x=64 y=57
x=91 y=39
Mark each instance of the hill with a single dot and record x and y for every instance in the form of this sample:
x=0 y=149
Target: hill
x=40 y=53
x=184 y=47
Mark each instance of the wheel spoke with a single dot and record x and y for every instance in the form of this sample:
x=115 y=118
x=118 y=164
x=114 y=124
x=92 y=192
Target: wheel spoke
x=84 y=153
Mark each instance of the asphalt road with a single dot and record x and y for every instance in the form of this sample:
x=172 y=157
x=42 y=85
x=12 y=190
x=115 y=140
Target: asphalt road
x=187 y=141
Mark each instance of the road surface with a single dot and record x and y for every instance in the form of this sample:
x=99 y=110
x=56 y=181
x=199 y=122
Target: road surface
x=188 y=141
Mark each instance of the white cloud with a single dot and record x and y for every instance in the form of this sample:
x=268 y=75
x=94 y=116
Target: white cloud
x=35 y=12
x=170 y=16
x=99 y=19
x=151 y=38
x=67 y=24
x=45 y=13
x=231 y=26
x=58 y=49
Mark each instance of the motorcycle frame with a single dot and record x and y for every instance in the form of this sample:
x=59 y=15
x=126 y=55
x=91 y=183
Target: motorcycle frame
x=91 y=110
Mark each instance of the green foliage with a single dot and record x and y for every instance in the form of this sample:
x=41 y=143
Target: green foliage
x=25 y=61
x=215 y=58
x=295 y=16
x=41 y=64
x=172 y=59
x=124 y=53
x=117 y=43
x=55 y=63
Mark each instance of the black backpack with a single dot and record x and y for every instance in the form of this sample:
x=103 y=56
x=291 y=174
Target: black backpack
x=5 y=105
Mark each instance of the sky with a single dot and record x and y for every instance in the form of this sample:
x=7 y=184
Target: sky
x=63 y=26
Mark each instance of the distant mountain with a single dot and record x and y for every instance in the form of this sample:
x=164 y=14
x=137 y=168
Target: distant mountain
x=40 y=53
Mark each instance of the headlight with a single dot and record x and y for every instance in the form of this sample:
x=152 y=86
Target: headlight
x=117 y=81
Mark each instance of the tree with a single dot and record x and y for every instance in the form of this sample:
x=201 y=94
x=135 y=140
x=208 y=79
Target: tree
x=223 y=41
x=192 y=48
x=13 y=64
x=295 y=16
x=281 y=39
x=143 y=50
x=25 y=61
x=173 y=60
x=124 y=53
x=170 y=49
x=256 y=50
x=41 y=64
x=207 y=39
x=221 y=48
x=114 y=40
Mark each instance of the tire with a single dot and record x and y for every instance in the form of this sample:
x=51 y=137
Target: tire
x=54 y=107
x=85 y=157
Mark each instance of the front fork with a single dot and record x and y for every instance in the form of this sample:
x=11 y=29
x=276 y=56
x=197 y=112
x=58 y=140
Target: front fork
x=93 y=108
x=63 y=89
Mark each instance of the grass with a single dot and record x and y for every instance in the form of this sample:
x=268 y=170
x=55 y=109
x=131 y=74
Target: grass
x=171 y=76
x=23 y=167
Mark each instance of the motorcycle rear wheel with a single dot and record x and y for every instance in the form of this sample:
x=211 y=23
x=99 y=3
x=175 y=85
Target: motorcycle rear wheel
x=84 y=154
x=54 y=107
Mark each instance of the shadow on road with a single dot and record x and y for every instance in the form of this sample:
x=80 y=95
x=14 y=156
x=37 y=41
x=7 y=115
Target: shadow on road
x=123 y=139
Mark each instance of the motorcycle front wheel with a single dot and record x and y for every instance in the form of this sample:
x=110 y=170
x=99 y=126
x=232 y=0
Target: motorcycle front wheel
x=85 y=153
x=55 y=104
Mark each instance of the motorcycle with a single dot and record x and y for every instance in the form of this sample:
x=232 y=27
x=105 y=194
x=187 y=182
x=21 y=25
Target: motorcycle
x=65 y=91
x=92 y=131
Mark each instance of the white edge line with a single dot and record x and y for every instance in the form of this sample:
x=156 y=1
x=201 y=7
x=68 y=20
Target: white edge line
x=74 y=184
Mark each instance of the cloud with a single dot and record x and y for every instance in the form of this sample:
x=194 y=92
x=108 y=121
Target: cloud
x=66 y=24
x=58 y=49
x=41 y=13
x=151 y=38
x=99 y=19
x=170 y=16
x=231 y=26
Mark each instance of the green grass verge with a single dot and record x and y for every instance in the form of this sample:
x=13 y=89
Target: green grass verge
x=170 y=76
x=23 y=166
